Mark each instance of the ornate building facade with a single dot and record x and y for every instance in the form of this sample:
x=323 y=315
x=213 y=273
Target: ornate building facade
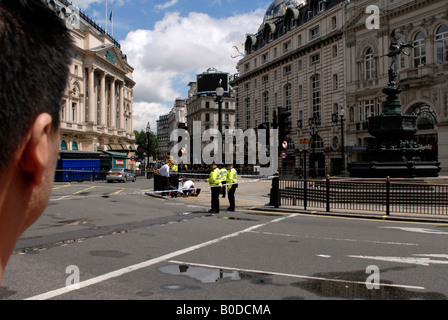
x=318 y=57
x=422 y=71
x=296 y=60
x=97 y=108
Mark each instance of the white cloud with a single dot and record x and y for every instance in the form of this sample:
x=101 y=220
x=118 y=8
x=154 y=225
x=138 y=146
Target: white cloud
x=177 y=49
x=148 y=112
x=166 y=5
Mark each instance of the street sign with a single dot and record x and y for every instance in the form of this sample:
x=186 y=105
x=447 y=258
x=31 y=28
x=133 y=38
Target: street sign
x=304 y=141
x=285 y=144
x=284 y=155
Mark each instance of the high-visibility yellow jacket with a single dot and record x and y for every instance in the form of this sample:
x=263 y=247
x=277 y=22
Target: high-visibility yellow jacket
x=223 y=174
x=232 y=178
x=215 y=178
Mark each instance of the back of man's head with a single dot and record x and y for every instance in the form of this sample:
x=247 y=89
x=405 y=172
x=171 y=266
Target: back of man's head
x=35 y=54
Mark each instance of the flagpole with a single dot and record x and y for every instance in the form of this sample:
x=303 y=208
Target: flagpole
x=106 y=16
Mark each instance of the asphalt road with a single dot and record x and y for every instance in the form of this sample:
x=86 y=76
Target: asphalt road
x=111 y=242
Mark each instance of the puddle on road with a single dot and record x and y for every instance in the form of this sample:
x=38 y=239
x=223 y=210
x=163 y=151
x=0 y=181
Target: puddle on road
x=351 y=286
x=203 y=275
x=355 y=288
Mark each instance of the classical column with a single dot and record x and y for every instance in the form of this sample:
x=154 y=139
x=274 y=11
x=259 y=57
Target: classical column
x=113 y=105
x=121 y=108
x=103 y=100
x=91 y=93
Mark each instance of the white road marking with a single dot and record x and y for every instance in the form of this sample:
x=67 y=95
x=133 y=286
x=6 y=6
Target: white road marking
x=425 y=259
x=418 y=230
x=120 y=272
x=338 y=239
x=293 y=275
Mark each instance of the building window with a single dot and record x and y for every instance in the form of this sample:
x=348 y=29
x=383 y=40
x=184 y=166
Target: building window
x=266 y=106
x=335 y=82
x=419 y=50
x=315 y=32
x=315 y=81
x=63 y=111
x=369 y=65
x=334 y=23
x=335 y=51
x=265 y=58
x=74 y=146
x=442 y=44
x=287 y=70
x=63 y=145
x=287 y=46
x=74 y=112
x=315 y=59
x=369 y=109
x=288 y=96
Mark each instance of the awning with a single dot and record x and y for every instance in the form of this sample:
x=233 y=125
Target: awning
x=115 y=147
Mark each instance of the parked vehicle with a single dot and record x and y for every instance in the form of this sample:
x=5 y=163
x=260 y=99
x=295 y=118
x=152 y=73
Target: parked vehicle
x=120 y=175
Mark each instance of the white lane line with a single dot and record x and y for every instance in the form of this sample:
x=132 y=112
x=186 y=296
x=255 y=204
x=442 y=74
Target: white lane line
x=337 y=239
x=289 y=275
x=120 y=272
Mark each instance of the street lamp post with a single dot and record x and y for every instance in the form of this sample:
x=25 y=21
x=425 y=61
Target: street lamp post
x=219 y=97
x=342 y=115
x=314 y=122
x=148 y=148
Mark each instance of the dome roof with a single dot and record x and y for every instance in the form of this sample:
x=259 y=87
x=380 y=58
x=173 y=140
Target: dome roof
x=278 y=8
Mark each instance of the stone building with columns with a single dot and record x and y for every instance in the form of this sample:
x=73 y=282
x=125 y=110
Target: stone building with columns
x=97 y=108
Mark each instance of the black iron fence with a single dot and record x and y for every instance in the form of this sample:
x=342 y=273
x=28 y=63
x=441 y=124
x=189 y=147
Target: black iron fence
x=384 y=196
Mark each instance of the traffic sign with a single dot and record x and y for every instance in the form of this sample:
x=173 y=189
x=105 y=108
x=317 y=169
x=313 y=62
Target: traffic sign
x=183 y=150
x=284 y=155
x=285 y=144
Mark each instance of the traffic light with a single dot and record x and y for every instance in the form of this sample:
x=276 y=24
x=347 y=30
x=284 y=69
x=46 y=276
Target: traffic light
x=284 y=124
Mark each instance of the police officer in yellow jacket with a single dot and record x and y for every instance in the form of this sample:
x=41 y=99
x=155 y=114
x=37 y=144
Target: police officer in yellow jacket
x=215 y=183
x=232 y=184
x=223 y=181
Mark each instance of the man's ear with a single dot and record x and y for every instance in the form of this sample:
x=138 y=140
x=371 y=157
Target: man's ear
x=37 y=148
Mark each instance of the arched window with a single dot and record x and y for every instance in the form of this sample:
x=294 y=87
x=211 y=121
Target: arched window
x=369 y=65
x=316 y=103
x=442 y=44
x=63 y=145
x=419 y=50
x=74 y=145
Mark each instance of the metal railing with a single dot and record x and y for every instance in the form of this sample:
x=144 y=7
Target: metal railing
x=383 y=195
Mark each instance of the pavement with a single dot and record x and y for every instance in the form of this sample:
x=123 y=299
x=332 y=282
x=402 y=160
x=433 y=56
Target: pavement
x=253 y=194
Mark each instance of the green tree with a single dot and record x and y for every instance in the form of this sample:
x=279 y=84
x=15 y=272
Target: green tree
x=142 y=144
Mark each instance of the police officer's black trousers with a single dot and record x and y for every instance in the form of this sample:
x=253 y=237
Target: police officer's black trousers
x=231 y=196
x=215 y=198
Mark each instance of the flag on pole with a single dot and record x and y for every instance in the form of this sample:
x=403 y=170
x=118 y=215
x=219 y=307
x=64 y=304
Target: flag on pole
x=111 y=15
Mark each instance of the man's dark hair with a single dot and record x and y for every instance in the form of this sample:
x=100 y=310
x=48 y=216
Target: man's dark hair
x=36 y=51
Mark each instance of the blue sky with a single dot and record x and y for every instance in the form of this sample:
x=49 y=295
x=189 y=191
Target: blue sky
x=168 y=42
